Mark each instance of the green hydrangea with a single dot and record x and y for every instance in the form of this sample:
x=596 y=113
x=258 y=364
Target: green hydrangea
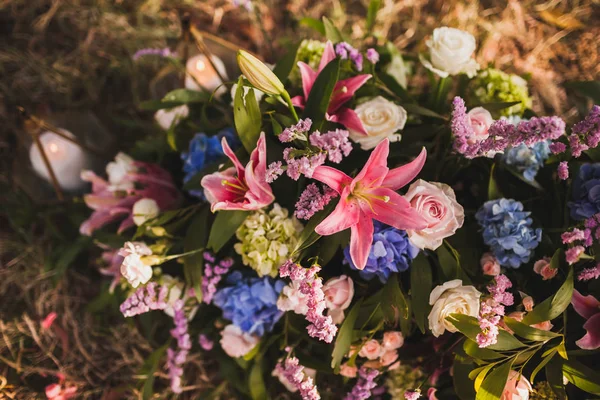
x=495 y=86
x=310 y=52
x=405 y=377
x=267 y=239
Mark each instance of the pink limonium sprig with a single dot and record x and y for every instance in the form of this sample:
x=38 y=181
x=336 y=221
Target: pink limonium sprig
x=205 y=342
x=364 y=385
x=294 y=373
x=312 y=201
x=145 y=299
x=321 y=326
x=296 y=132
x=346 y=51
x=213 y=272
x=588 y=274
x=335 y=143
x=492 y=310
x=585 y=134
x=176 y=358
x=164 y=52
x=372 y=56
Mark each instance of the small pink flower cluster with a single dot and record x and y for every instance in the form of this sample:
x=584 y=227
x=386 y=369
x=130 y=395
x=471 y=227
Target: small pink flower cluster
x=345 y=51
x=213 y=272
x=297 y=131
x=335 y=143
x=584 y=135
x=321 y=327
x=145 y=299
x=205 y=342
x=364 y=385
x=563 y=170
x=588 y=274
x=577 y=235
x=312 y=201
x=573 y=254
x=593 y=224
x=274 y=171
x=294 y=373
x=412 y=394
x=382 y=354
x=501 y=133
x=176 y=358
x=492 y=310
x=304 y=165
x=372 y=56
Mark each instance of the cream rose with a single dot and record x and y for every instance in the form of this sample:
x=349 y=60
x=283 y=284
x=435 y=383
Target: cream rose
x=517 y=387
x=451 y=298
x=451 y=53
x=144 y=210
x=237 y=343
x=381 y=119
x=480 y=120
x=436 y=202
x=338 y=296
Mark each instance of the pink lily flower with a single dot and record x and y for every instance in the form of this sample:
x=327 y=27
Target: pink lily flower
x=371 y=195
x=239 y=188
x=342 y=92
x=589 y=308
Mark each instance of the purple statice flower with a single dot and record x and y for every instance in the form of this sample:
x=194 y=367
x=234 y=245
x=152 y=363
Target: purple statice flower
x=346 y=51
x=176 y=358
x=585 y=134
x=572 y=236
x=274 y=171
x=557 y=147
x=311 y=286
x=491 y=310
x=205 y=342
x=145 y=299
x=573 y=254
x=357 y=59
x=364 y=384
x=586 y=192
x=213 y=272
x=304 y=165
x=164 y=52
x=296 y=132
x=588 y=274
x=312 y=201
x=372 y=56
x=294 y=373
x=335 y=143
x=412 y=394
x=563 y=170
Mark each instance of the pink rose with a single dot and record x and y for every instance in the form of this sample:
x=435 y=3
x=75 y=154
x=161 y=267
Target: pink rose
x=528 y=303
x=480 y=120
x=436 y=202
x=348 y=371
x=393 y=340
x=235 y=342
x=517 y=387
x=338 y=296
x=394 y=366
x=489 y=264
x=544 y=325
x=371 y=350
x=543 y=268
x=389 y=357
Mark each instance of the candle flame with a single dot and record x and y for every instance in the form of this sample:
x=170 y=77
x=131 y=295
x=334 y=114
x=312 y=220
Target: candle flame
x=53 y=147
x=200 y=65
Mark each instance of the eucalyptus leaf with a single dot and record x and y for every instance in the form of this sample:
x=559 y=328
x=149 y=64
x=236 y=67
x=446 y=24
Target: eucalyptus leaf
x=529 y=333
x=473 y=349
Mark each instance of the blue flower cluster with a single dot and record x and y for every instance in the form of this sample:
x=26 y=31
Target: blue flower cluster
x=250 y=303
x=528 y=160
x=586 y=192
x=391 y=252
x=203 y=151
x=507 y=230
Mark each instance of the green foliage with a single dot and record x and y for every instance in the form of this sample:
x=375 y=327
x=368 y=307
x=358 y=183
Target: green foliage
x=581 y=376
x=553 y=306
x=149 y=368
x=224 y=227
x=492 y=386
x=420 y=288
x=246 y=116
x=331 y=32
x=395 y=305
x=320 y=94
x=185 y=96
x=344 y=337
x=374 y=6
x=196 y=237
x=285 y=65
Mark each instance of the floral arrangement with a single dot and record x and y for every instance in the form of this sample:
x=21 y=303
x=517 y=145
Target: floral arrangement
x=330 y=226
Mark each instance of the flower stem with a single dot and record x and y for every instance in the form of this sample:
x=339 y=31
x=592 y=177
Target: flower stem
x=288 y=100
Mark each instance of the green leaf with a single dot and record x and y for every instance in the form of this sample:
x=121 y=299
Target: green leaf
x=590 y=89
x=449 y=260
x=542 y=364
x=374 y=6
x=481 y=374
x=285 y=65
x=149 y=368
x=392 y=84
x=582 y=376
x=331 y=32
x=394 y=304
x=155 y=105
x=256 y=383
x=246 y=116
x=469 y=327
x=493 y=385
x=493 y=190
x=554 y=376
x=553 y=306
x=313 y=23
x=460 y=378
x=529 y=333
x=308 y=235
x=473 y=349
x=320 y=94
x=224 y=227
x=425 y=112
x=171 y=138
x=420 y=287
x=186 y=96
x=68 y=255
x=343 y=341
x=195 y=238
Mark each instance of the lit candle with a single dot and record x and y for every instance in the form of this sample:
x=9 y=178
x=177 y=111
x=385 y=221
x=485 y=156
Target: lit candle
x=67 y=160
x=200 y=71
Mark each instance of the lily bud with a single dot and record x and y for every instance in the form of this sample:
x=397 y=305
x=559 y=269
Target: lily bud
x=259 y=75
x=152 y=260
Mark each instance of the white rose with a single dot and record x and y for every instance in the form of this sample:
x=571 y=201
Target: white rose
x=451 y=298
x=133 y=268
x=117 y=171
x=236 y=343
x=450 y=53
x=166 y=117
x=381 y=119
x=144 y=210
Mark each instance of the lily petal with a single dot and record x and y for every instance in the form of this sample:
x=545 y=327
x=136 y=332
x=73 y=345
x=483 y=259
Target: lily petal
x=328 y=55
x=401 y=176
x=375 y=169
x=332 y=177
x=344 y=90
x=349 y=119
x=361 y=240
x=396 y=212
x=345 y=215
x=586 y=306
x=236 y=163
x=308 y=76
x=591 y=340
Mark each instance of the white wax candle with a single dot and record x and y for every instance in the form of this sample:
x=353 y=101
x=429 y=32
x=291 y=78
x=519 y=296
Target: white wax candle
x=199 y=70
x=67 y=160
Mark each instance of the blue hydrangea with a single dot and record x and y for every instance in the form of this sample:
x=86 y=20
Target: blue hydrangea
x=507 y=230
x=586 y=192
x=528 y=160
x=203 y=151
x=391 y=252
x=250 y=303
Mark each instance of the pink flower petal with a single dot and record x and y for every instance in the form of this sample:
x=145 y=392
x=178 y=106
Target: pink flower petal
x=345 y=215
x=332 y=177
x=328 y=55
x=591 y=340
x=236 y=163
x=344 y=90
x=401 y=176
x=375 y=169
x=586 y=306
x=396 y=212
x=349 y=119
x=308 y=76
x=361 y=240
